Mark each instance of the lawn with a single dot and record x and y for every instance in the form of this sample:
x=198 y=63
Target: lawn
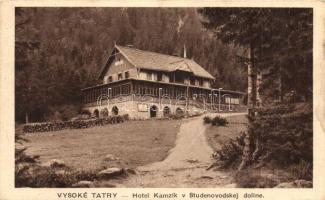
x=135 y=143
x=219 y=135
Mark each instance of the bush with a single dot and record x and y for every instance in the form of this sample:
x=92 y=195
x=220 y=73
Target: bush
x=36 y=176
x=230 y=153
x=219 y=121
x=285 y=133
x=206 y=120
x=303 y=170
x=277 y=136
x=216 y=121
x=23 y=162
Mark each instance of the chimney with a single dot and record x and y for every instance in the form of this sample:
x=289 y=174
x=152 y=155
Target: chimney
x=184 y=51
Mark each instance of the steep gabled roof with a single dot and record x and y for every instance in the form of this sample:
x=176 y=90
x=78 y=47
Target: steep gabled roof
x=159 y=62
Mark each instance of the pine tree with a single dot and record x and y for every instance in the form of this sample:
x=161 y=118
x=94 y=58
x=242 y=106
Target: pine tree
x=276 y=40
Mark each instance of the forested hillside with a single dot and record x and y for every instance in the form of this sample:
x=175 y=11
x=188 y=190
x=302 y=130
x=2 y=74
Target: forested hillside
x=279 y=136
x=61 y=50
x=280 y=47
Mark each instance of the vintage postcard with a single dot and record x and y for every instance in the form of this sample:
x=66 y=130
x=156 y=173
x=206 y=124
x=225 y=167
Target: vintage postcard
x=162 y=100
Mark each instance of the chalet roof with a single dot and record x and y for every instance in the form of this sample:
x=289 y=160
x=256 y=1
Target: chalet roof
x=161 y=62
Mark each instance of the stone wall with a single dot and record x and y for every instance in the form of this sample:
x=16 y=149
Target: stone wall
x=137 y=109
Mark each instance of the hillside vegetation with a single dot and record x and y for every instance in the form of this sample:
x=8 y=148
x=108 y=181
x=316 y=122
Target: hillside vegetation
x=61 y=50
x=280 y=133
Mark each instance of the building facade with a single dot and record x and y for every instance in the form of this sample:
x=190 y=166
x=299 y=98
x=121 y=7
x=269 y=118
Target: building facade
x=146 y=84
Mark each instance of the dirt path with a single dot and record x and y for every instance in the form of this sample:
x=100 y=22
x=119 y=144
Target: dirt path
x=186 y=164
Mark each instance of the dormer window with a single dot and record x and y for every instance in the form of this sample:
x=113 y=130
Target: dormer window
x=119 y=76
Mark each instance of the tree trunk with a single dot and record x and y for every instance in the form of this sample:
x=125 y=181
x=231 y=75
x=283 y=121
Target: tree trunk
x=280 y=84
x=246 y=157
x=257 y=149
x=26 y=117
x=250 y=75
x=258 y=86
x=258 y=68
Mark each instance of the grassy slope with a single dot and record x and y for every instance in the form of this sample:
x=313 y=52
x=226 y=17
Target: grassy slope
x=219 y=135
x=134 y=142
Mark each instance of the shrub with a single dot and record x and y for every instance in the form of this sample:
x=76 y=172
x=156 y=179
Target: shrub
x=216 y=121
x=219 y=121
x=230 y=153
x=206 y=120
x=38 y=176
x=278 y=136
x=23 y=162
x=303 y=170
x=285 y=133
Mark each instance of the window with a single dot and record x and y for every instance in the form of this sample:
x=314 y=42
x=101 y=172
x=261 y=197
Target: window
x=149 y=76
x=159 y=77
x=179 y=78
x=119 y=76
x=154 y=77
x=127 y=74
x=110 y=79
x=192 y=80
x=171 y=78
x=200 y=82
x=125 y=89
x=118 y=61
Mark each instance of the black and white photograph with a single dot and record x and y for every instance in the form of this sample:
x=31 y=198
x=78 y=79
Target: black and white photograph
x=163 y=97
x=162 y=101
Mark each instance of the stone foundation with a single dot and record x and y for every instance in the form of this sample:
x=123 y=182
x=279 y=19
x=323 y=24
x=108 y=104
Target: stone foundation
x=152 y=109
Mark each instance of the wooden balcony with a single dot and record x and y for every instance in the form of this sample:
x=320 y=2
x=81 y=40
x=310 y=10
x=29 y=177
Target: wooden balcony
x=139 y=90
